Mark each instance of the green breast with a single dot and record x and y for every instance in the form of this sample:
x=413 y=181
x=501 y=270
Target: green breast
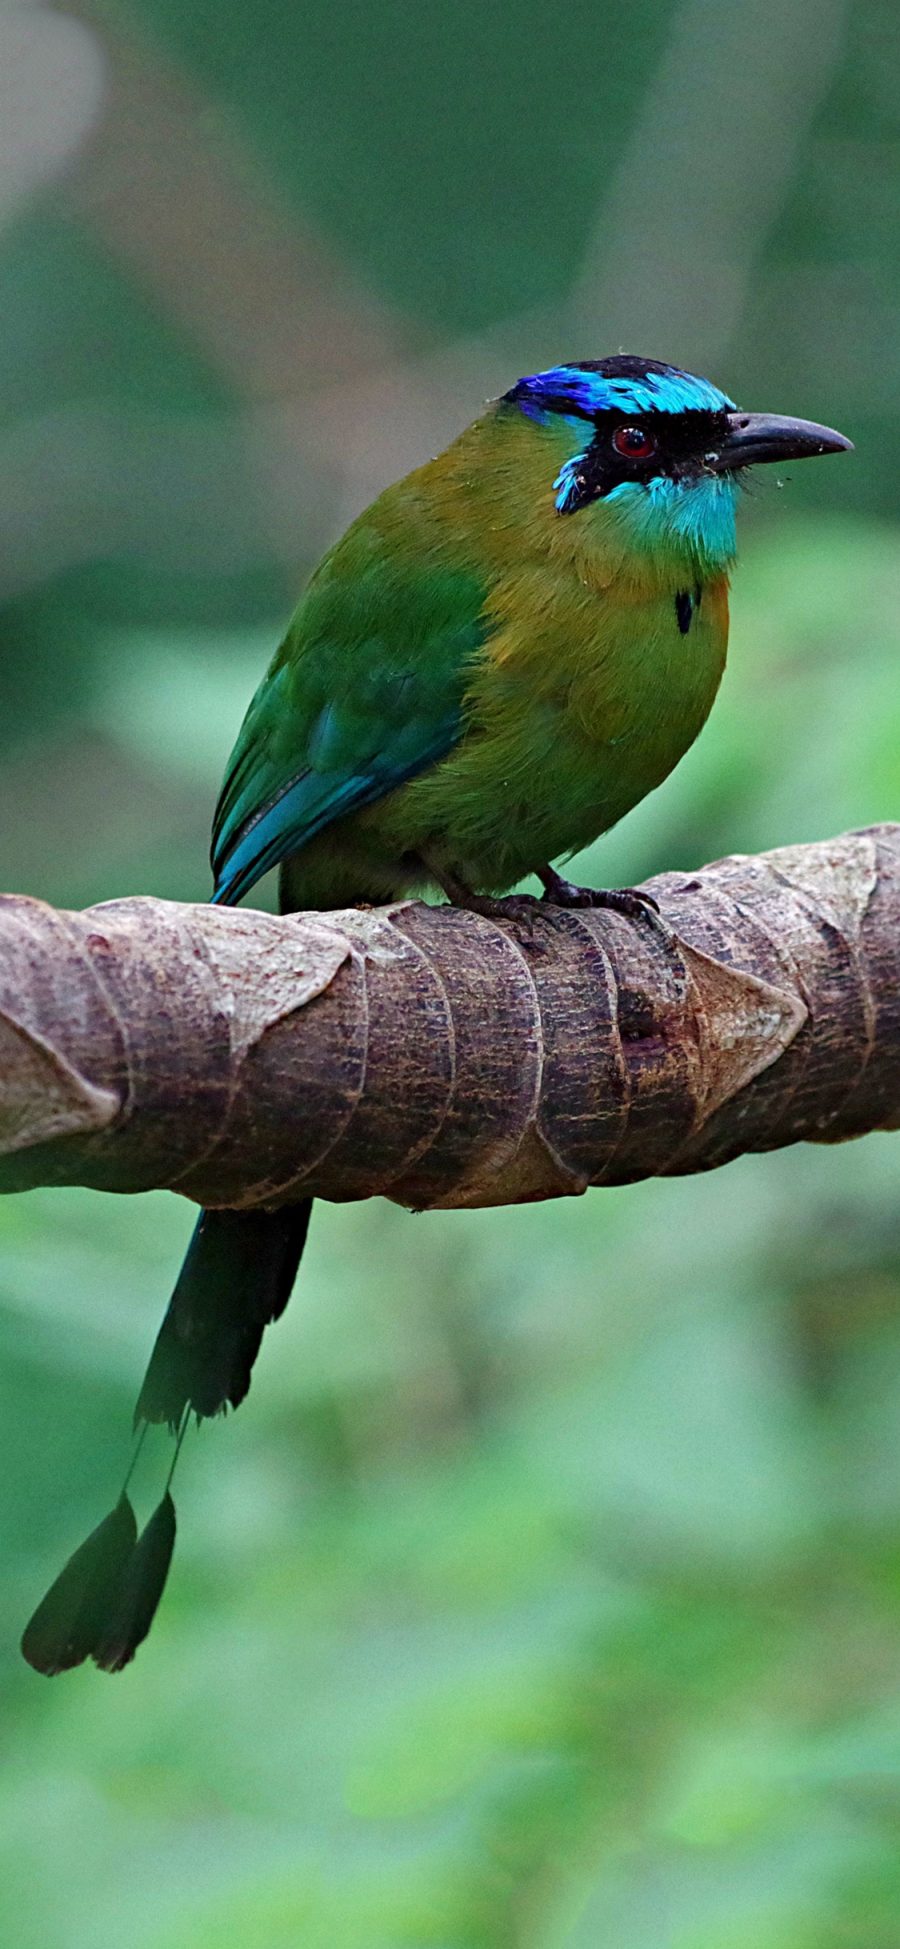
x=584 y=701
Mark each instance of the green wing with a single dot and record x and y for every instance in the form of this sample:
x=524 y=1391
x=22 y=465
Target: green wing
x=366 y=690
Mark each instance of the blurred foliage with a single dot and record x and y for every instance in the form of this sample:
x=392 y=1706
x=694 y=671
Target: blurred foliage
x=546 y=1594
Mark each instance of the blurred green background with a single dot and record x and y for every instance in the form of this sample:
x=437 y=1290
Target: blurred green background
x=546 y=1595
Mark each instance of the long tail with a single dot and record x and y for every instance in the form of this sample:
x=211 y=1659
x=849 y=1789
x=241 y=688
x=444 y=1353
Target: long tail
x=236 y=1278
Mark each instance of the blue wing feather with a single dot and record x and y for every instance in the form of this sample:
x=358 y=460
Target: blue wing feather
x=309 y=803
x=366 y=691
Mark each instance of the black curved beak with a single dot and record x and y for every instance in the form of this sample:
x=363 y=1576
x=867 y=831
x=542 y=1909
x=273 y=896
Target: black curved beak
x=753 y=437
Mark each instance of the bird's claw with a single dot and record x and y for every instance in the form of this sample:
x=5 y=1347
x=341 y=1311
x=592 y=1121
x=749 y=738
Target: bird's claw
x=522 y=908
x=632 y=902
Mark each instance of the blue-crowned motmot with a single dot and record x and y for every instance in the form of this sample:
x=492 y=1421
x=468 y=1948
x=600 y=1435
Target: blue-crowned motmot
x=501 y=656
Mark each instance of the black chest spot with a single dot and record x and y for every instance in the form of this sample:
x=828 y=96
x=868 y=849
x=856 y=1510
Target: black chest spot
x=687 y=602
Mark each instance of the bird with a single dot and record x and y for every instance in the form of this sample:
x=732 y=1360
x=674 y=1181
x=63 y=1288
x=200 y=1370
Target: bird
x=501 y=657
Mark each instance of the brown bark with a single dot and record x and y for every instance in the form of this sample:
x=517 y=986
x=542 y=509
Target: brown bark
x=443 y=1059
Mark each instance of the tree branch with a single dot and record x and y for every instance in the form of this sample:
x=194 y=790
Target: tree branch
x=443 y=1059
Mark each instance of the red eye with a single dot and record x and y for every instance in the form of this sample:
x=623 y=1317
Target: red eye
x=633 y=443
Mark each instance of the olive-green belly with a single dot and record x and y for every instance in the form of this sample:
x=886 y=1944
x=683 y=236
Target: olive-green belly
x=546 y=768
x=556 y=749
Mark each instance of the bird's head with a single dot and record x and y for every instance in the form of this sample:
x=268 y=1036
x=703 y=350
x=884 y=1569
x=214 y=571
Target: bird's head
x=664 y=449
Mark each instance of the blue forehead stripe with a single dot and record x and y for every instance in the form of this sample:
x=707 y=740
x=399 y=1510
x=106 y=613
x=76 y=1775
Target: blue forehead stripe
x=588 y=393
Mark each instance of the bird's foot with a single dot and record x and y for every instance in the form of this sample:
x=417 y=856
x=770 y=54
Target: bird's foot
x=523 y=908
x=633 y=902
